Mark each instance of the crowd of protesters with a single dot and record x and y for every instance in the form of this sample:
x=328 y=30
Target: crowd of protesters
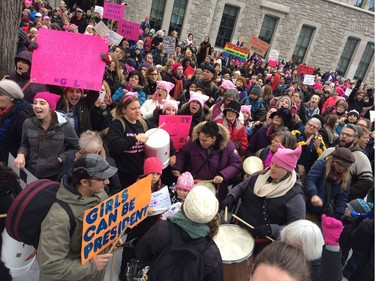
x=316 y=141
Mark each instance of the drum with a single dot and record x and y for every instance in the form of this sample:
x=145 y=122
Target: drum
x=252 y=165
x=157 y=145
x=209 y=185
x=16 y=255
x=236 y=246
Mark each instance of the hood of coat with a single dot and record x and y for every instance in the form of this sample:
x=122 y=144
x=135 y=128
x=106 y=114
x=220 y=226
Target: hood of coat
x=223 y=132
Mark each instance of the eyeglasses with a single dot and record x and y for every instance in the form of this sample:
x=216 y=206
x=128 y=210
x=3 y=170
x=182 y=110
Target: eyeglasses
x=312 y=126
x=346 y=135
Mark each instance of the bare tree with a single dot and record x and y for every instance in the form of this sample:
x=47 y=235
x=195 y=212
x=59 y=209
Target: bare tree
x=10 y=15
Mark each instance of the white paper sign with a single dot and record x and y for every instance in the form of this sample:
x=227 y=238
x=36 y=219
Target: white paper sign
x=169 y=45
x=102 y=29
x=309 y=79
x=274 y=55
x=115 y=38
x=99 y=9
x=160 y=201
x=372 y=115
x=25 y=176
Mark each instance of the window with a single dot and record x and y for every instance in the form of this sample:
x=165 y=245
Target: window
x=268 y=28
x=367 y=56
x=227 y=25
x=346 y=56
x=156 y=15
x=177 y=17
x=303 y=42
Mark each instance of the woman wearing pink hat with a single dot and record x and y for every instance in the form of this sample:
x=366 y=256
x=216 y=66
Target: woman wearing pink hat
x=47 y=138
x=271 y=199
x=162 y=90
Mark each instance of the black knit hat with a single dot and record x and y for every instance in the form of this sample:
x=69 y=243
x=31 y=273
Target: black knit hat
x=285 y=114
x=233 y=106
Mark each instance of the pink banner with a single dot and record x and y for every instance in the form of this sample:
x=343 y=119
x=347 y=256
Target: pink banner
x=114 y=11
x=272 y=63
x=128 y=29
x=68 y=59
x=178 y=127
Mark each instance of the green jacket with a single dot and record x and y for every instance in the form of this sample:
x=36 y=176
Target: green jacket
x=59 y=255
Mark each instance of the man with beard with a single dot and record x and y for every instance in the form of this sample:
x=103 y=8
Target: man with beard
x=362 y=178
x=206 y=83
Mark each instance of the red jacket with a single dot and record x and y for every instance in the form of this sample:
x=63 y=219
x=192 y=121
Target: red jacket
x=237 y=134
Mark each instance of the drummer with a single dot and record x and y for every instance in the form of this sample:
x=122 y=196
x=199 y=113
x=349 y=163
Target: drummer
x=271 y=198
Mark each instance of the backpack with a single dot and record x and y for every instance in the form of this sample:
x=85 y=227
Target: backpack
x=30 y=207
x=180 y=261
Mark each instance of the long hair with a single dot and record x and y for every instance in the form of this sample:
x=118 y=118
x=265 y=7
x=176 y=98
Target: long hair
x=345 y=177
x=214 y=225
x=54 y=122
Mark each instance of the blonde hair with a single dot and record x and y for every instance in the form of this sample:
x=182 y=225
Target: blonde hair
x=345 y=177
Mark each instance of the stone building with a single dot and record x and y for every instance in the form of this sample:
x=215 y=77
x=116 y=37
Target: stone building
x=329 y=34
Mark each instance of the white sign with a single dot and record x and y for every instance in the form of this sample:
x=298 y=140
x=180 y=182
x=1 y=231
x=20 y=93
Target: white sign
x=309 y=79
x=99 y=9
x=372 y=115
x=102 y=29
x=274 y=55
x=115 y=38
x=160 y=201
x=25 y=176
x=169 y=45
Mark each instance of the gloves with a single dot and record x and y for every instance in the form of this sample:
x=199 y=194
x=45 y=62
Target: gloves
x=332 y=229
x=261 y=231
x=227 y=202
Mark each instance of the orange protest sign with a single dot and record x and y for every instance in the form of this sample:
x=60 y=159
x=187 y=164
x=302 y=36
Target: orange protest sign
x=103 y=223
x=258 y=46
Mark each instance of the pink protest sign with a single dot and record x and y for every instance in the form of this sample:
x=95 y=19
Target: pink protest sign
x=113 y=11
x=272 y=63
x=68 y=59
x=178 y=128
x=128 y=29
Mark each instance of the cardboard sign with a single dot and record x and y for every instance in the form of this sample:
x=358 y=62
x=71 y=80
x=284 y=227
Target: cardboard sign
x=258 y=46
x=68 y=59
x=178 y=128
x=103 y=223
x=309 y=79
x=129 y=30
x=305 y=69
x=99 y=9
x=115 y=38
x=102 y=29
x=169 y=45
x=232 y=51
x=114 y=11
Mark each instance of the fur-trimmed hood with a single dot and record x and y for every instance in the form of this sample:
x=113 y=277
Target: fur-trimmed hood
x=221 y=142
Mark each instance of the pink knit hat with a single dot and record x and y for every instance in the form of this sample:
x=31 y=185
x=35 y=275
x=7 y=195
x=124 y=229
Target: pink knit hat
x=287 y=158
x=340 y=91
x=227 y=84
x=152 y=165
x=317 y=86
x=52 y=99
x=168 y=86
x=194 y=96
x=246 y=108
x=175 y=66
x=185 y=181
x=170 y=104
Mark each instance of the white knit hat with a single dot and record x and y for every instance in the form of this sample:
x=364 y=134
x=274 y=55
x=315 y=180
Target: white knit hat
x=11 y=89
x=200 y=205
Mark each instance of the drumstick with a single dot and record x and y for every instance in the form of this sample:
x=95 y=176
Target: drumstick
x=249 y=225
x=204 y=181
x=160 y=126
x=226 y=214
x=3 y=216
x=118 y=238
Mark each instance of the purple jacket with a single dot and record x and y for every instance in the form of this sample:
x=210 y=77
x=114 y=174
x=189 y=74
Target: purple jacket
x=223 y=159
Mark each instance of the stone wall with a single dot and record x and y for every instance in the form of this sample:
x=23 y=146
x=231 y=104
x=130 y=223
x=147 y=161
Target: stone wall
x=334 y=22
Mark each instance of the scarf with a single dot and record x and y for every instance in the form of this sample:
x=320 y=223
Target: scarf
x=263 y=188
x=193 y=229
x=178 y=88
x=7 y=117
x=236 y=124
x=271 y=132
x=267 y=161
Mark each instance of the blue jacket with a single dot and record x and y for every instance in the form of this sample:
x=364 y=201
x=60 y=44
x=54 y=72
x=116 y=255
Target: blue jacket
x=315 y=184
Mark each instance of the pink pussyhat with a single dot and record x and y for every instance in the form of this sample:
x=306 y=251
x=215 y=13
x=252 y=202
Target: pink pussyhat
x=194 y=96
x=168 y=86
x=227 y=84
x=51 y=99
x=170 y=104
x=287 y=158
x=246 y=108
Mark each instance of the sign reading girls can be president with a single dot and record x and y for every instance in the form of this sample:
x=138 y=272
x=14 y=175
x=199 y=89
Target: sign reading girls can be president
x=103 y=223
x=68 y=59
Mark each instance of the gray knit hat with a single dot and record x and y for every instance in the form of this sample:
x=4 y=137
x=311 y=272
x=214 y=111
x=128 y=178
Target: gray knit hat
x=11 y=89
x=257 y=90
x=231 y=93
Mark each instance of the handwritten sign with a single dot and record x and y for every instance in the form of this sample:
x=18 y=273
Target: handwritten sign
x=303 y=69
x=99 y=10
x=68 y=59
x=178 y=128
x=113 y=11
x=309 y=79
x=115 y=38
x=232 y=51
x=169 y=45
x=103 y=223
x=128 y=29
x=102 y=29
x=274 y=55
x=160 y=201
x=258 y=46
